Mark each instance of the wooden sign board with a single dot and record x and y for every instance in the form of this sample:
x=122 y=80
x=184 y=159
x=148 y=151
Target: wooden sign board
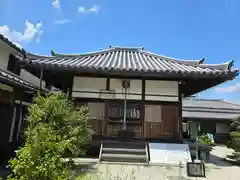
x=196 y=169
x=107 y=94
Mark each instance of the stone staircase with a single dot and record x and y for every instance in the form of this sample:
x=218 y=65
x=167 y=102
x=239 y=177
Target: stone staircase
x=117 y=151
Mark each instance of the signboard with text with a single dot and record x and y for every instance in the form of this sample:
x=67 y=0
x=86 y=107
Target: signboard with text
x=196 y=169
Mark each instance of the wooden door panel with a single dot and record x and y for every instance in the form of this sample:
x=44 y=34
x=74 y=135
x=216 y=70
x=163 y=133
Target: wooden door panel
x=164 y=125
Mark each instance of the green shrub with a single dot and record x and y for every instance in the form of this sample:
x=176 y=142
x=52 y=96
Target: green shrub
x=235 y=134
x=235 y=125
x=234 y=142
x=205 y=140
x=55 y=125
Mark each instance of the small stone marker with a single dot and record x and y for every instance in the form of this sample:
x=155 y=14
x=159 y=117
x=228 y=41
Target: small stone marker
x=196 y=169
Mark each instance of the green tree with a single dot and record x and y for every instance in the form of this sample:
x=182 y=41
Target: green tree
x=55 y=125
x=235 y=138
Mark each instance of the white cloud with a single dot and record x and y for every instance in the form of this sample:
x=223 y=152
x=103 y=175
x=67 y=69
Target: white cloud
x=32 y=32
x=56 y=4
x=82 y=9
x=229 y=89
x=62 y=21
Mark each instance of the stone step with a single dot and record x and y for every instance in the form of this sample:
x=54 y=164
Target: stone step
x=124 y=151
x=123 y=158
x=124 y=145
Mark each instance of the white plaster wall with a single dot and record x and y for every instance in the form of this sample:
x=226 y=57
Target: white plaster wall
x=5 y=51
x=93 y=85
x=4 y=55
x=134 y=92
x=31 y=78
x=155 y=88
x=222 y=128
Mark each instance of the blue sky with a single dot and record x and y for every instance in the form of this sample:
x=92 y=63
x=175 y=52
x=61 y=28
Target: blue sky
x=187 y=29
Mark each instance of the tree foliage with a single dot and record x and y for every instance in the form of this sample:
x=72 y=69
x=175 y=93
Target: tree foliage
x=235 y=138
x=205 y=140
x=55 y=125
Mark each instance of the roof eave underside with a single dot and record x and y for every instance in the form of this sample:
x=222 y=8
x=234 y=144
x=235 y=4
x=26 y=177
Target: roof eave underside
x=16 y=81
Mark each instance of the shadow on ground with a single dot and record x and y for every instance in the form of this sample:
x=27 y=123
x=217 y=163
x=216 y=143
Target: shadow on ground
x=83 y=169
x=218 y=161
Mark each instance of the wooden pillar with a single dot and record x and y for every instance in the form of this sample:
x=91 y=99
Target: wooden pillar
x=6 y=111
x=180 y=130
x=106 y=111
x=41 y=78
x=70 y=87
x=142 y=108
x=17 y=95
x=20 y=120
x=105 y=120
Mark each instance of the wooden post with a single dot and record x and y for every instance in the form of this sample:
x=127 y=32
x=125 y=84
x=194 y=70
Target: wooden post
x=41 y=77
x=70 y=88
x=105 y=120
x=180 y=131
x=142 y=109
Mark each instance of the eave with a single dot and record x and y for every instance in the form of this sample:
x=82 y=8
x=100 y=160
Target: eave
x=194 y=75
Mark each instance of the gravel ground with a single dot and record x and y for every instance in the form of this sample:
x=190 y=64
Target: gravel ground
x=140 y=172
x=216 y=169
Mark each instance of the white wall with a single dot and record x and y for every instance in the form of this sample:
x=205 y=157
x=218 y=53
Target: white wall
x=4 y=55
x=164 y=88
x=31 y=78
x=168 y=89
x=134 y=92
x=5 y=51
x=92 y=85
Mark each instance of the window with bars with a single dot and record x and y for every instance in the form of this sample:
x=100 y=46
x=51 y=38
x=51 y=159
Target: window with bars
x=116 y=112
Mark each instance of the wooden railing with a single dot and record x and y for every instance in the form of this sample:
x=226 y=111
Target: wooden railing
x=113 y=129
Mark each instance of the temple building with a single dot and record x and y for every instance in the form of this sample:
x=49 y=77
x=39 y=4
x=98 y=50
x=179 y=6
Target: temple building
x=17 y=89
x=129 y=89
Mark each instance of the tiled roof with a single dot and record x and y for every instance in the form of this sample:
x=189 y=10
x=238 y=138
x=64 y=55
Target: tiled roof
x=210 y=109
x=15 y=80
x=121 y=59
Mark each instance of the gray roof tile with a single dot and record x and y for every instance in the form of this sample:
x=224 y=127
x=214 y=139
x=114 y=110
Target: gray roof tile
x=209 y=103
x=209 y=115
x=13 y=79
x=117 y=59
x=210 y=109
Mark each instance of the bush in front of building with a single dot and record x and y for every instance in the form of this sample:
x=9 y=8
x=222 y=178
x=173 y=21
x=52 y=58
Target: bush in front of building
x=55 y=125
x=234 y=142
x=204 y=139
